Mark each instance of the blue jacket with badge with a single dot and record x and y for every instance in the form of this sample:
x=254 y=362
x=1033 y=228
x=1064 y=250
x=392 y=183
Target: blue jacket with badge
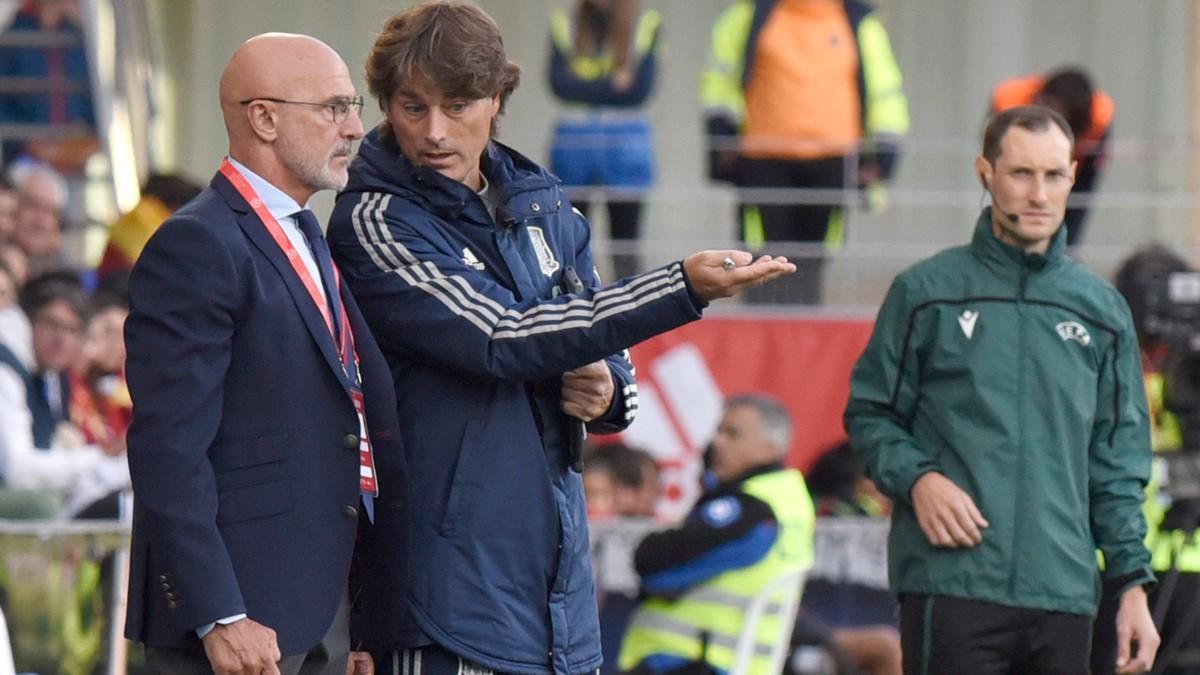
x=479 y=318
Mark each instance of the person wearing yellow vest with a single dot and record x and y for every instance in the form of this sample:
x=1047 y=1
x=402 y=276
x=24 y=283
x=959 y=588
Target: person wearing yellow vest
x=1088 y=110
x=801 y=94
x=753 y=526
x=162 y=195
x=602 y=68
x=1143 y=279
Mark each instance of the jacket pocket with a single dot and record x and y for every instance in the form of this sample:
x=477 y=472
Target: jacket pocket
x=461 y=481
x=252 y=502
x=261 y=459
x=238 y=453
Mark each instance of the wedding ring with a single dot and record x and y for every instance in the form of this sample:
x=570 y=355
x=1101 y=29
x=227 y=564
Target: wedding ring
x=728 y=263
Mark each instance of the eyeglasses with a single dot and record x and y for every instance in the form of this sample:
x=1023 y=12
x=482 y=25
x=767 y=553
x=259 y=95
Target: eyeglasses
x=339 y=107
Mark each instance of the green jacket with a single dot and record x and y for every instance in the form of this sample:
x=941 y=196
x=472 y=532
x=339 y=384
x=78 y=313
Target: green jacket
x=1017 y=376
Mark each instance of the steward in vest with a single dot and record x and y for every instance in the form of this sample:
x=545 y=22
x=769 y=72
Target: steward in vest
x=603 y=69
x=753 y=527
x=794 y=90
x=1088 y=111
x=1144 y=280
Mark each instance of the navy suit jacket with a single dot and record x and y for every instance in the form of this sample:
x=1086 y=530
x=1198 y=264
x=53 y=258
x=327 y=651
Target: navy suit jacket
x=243 y=447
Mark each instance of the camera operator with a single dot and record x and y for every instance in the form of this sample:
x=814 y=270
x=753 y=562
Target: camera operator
x=1163 y=293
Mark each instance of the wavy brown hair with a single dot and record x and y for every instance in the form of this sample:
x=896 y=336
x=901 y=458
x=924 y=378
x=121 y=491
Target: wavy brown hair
x=452 y=45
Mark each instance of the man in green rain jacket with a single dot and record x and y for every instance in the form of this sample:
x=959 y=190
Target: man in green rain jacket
x=1000 y=404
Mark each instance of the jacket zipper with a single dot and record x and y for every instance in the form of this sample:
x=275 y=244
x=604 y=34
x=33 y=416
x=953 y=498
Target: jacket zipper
x=1020 y=463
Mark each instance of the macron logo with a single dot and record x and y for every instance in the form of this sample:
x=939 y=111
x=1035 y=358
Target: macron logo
x=966 y=321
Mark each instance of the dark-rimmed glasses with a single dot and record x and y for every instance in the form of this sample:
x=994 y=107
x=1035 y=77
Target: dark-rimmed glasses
x=339 y=107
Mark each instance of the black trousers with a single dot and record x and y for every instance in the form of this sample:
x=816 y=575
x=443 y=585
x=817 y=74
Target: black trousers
x=941 y=634
x=624 y=228
x=791 y=223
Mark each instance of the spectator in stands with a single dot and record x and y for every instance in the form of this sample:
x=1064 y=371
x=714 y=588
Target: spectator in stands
x=64 y=97
x=162 y=195
x=503 y=347
x=603 y=57
x=599 y=483
x=699 y=578
x=637 y=484
x=999 y=403
x=840 y=488
x=1088 y=110
x=39 y=449
x=100 y=404
x=801 y=94
x=41 y=198
x=14 y=325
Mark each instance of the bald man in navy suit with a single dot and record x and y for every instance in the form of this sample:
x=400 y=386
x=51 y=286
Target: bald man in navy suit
x=256 y=386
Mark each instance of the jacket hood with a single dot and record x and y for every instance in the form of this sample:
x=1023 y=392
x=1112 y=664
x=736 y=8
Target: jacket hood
x=380 y=166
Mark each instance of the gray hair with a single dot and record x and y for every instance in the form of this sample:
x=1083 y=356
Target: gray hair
x=23 y=171
x=777 y=423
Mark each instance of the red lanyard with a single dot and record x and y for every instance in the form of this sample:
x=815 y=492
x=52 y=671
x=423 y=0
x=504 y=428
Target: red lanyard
x=367 y=478
x=345 y=348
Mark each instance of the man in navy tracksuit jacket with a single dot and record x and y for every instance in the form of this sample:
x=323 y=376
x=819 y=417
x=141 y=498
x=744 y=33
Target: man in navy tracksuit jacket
x=476 y=276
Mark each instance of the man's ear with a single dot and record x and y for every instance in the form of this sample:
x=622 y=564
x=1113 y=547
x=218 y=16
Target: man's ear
x=983 y=169
x=263 y=119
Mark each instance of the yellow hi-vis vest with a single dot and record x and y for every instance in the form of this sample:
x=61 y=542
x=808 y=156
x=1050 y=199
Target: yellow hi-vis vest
x=602 y=65
x=706 y=621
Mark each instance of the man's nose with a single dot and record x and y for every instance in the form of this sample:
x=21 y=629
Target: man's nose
x=352 y=127
x=435 y=128
x=1038 y=193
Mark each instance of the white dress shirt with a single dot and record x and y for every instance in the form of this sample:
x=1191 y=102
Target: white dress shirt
x=283 y=208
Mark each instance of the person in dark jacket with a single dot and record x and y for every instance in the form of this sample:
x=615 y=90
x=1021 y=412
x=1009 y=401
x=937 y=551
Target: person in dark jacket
x=999 y=404
x=603 y=64
x=476 y=276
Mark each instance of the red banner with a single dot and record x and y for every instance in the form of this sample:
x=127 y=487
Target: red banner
x=685 y=375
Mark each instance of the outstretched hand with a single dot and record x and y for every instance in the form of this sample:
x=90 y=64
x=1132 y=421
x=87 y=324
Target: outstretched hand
x=712 y=279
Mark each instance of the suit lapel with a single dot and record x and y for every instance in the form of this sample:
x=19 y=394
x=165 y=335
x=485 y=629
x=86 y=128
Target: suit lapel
x=257 y=233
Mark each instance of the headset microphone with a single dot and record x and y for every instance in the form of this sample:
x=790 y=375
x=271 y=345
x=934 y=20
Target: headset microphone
x=1012 y=217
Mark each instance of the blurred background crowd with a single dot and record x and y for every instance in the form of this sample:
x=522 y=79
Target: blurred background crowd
x=853 y=159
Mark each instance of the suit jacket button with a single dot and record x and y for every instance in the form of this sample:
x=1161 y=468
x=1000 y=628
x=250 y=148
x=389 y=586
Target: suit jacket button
x=172 y=604
x=162 y=577
x=350 y=511
x=350 y=441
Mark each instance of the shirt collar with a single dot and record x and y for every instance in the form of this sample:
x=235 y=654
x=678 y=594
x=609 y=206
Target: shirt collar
x=277 y=201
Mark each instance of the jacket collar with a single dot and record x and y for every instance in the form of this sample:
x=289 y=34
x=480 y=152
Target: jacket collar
x=985 y=244
x=257 y=233
x=508 y=172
